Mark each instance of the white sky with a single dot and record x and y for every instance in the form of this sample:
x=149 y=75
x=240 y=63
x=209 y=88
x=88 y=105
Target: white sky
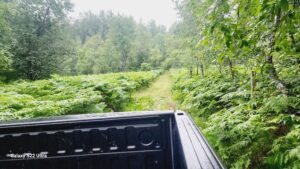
x=162 y=11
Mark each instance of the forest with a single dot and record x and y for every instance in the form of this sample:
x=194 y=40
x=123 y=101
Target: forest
x=234 y=65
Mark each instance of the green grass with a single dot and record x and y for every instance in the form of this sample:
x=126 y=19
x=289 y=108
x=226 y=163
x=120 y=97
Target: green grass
x=157 y=97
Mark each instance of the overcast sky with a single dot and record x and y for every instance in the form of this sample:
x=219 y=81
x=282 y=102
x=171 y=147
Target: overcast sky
x=162 y=11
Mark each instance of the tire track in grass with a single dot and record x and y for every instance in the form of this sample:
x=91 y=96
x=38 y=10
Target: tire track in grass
x=157 y=96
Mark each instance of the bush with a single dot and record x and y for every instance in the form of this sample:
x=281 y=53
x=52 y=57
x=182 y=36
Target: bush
x=247 y=132
x=70 y=95
x=146 y=67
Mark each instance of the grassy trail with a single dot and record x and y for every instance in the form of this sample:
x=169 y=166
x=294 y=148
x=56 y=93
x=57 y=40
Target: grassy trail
x=157 y=96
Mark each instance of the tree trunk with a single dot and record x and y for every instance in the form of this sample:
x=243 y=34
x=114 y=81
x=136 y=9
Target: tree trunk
x=231 y=68
x=191 y=71
x=202 y=70
x=262 y=71
x=273 y=76
x=220 y=68
x=269 y=58
x=253 y=82
x=124 y=58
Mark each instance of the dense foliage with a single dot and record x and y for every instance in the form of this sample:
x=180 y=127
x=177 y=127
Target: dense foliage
x=37 y=39
x=107 y=42
x=256 y=34
x=5 y=59
x=259 y=131
x=33 y=46
x=70 y=95
x=247 y=98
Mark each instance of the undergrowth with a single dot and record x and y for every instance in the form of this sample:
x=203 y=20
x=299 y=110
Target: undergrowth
x=70 y=95
x=258 y=131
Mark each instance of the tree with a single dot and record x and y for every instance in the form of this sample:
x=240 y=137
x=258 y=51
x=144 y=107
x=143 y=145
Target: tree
x=91 y=56
x=121 y=33
x=39 y=32
x=5 y=31
x=90 y=24
x=141 y=47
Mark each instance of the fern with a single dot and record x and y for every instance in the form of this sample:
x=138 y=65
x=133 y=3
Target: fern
x=70 y=95
x=259 y=131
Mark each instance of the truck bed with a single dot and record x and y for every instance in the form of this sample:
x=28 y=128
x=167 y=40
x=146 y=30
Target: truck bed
x=136 y=140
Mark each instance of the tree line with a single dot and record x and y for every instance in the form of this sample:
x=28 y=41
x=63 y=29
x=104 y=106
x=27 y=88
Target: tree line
x=39 y=39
